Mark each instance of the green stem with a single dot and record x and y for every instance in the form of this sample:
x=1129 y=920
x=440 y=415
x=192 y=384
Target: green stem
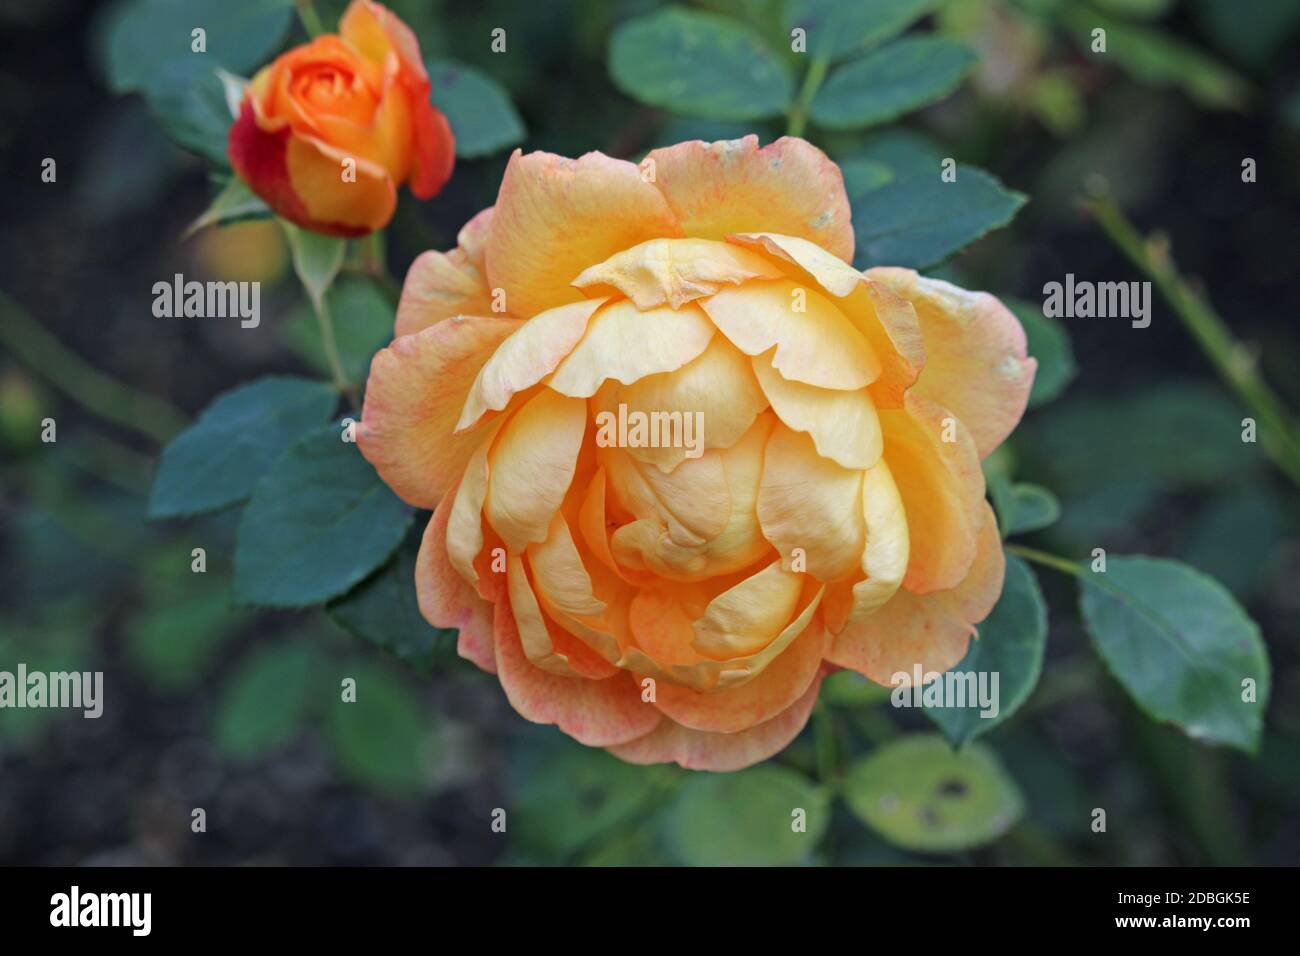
x=824 y=744
x=90 y=388
x=1229 y=356
x=331 y=347
x=310 y=20
x=812 y=82
x=1056 y=562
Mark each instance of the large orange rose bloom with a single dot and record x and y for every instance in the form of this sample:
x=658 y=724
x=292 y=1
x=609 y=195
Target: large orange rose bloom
x=328 y=131
x=673 y=604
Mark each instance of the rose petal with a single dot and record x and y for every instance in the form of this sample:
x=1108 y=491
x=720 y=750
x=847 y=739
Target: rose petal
x=625 y=344
x=556 y=217
x=730 y=711
x=816 y=345
x=886 y=320
x=789 y=186
x=598 y=713
x=440 y=285
x=446 y=600
x=670 y=742
x=413 y=398
x=531 y=353
x=531 y=466
x=747 y=617
x=673 y=272
x=931 y=630
x=976 y=361
x=843 y=424
x=942 y=489
x=713 y=400
x=810 y=508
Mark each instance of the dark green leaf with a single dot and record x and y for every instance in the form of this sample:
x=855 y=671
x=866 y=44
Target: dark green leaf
x=747 y=818
x=919 y=794
x=699 y=64
x=363 y=324
x=864 y=175
x=380 y=738
x=1180 y=645
x=567 y=796
x=1023 y=507
x=149 y=43
x=317 y=524
x=886 y=83
x=234 y=203
x=1049 y=343
x=837 y=28
x=917 y=219
x=1010 y=644
x=217 y=460
x=266 y=704
x=479 y=109
x=383 y=611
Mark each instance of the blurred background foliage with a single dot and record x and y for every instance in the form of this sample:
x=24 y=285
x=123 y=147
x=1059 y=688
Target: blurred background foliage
x=237 y=710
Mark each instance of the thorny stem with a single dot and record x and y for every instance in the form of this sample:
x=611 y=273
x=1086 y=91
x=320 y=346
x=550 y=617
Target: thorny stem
x=90 y=388
x=1229 y=356
x=812 y=82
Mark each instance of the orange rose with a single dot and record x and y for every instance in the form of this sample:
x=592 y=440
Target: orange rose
x=328 y=131
x=818 y=503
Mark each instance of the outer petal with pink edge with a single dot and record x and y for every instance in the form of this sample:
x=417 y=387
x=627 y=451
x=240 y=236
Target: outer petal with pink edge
x=932 y=630
x=670 y=742
x=442 y=284
x=598 y=713
x=976 y=364
x=789 y=186
x=555 y=217
x=446 y=600
x=414 y=396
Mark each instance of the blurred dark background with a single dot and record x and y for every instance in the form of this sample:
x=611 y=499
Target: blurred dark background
x=196 y=713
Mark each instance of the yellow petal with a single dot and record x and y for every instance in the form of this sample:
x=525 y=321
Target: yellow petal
x=886 y=320
x=465 y=522
x=942 y=489
x=693 y=501
x=810 y=508
x=531 y=466
x=814 y=342
x=647 y=543
x=525 y=358
x=673 y=272
x=598 y=713
x=789 y=186
x=446 y=600
x=931 y=630
x=555 y=217
x=843 y=424
x=976 y=361
x=625 y=344
x=313 y=167
x=670 y=742
x=747 y=617
x=712 y=400
x=562 y=580
x=413 y=398
x=885 y=557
